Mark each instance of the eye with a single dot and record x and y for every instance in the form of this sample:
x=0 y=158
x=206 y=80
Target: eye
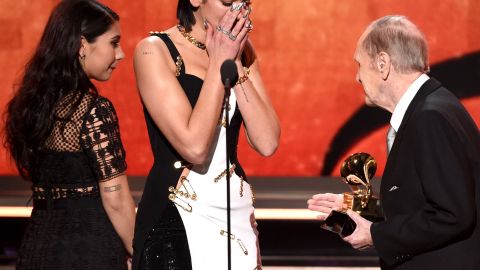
x=227 y=4
x=115 y=42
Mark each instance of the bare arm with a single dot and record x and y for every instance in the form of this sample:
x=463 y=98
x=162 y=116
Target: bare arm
x=120 y=208
x=101 y=138
x=261 y=121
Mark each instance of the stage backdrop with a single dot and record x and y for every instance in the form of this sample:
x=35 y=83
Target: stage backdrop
x=305 y=49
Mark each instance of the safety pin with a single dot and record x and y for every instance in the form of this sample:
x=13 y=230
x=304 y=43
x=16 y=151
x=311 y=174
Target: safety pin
x=190 y=192
x=224 y=233
x=186 y=206
x=242 y=246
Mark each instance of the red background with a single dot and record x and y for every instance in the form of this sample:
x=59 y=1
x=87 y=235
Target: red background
x=305 y=49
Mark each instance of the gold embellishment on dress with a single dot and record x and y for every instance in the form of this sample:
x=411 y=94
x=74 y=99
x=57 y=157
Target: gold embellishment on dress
x=241 y=186
x=253 y=194
x=224 y=173
x=178 y=201
x=179 y=64
x=189 y=192
x=151 y=33
x=223 y=122
x=242 y=246
x=224 y=233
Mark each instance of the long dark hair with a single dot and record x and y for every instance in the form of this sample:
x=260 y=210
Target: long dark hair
x=185 y=14
x=52 y=74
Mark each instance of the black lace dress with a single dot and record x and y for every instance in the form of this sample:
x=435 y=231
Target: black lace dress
x=69 y=228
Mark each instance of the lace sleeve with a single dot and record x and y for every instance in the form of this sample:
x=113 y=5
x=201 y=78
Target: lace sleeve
x=101 y=140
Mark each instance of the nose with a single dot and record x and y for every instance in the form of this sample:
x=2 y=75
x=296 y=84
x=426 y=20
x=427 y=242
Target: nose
x=119 y=55
x=357 y=78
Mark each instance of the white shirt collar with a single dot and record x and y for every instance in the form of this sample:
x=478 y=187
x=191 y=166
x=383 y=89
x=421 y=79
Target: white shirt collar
x=405 y=100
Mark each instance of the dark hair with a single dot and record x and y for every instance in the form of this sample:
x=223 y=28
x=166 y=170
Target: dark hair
x=185 y=14
x=53 y=74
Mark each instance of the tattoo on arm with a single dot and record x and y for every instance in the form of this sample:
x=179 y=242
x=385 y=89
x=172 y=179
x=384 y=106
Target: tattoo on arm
x=244 y=92
x=112 y=188
x=147 y=53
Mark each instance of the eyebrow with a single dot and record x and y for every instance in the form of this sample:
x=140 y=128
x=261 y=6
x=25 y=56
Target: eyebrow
x=116 y=38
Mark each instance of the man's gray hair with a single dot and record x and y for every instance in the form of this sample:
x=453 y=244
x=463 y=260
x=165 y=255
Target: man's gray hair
x=401 y=39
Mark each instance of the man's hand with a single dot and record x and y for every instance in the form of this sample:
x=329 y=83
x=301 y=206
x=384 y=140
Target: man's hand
x=361 y=238
x=325 y=203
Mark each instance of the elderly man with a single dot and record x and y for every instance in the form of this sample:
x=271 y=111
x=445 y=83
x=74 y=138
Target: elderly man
x=430 y=190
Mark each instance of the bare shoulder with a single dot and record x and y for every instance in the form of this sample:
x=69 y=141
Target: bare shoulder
x=152 y=44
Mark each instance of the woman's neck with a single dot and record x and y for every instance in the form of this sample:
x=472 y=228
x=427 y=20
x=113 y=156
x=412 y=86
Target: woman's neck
x=199 y=32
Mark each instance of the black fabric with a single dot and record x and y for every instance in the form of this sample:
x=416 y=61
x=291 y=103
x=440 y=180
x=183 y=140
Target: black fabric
x=432 y=218
x=69 y=228
x=70 y=239
x=163 y=174
x=166 y=246
x=171 y=48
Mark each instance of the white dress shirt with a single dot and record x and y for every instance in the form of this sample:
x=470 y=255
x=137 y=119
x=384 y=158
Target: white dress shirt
x=405 y=100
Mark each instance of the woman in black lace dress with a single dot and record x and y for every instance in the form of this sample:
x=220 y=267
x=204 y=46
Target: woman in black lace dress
x=65 y=139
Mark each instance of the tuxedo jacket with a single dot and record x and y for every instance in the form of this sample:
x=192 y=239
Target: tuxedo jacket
x=430 y=190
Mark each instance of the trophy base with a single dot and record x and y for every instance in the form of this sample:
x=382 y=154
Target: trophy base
x=340 y=223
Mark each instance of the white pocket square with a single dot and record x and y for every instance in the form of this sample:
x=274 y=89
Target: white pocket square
x=393 y=188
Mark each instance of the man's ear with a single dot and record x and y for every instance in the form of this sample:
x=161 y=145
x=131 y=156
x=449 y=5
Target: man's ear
x=383 y=64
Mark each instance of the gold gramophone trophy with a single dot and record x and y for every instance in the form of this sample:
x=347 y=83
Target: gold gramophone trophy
x=357 y=171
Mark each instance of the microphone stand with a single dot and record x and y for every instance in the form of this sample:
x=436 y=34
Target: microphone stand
x=227 y=125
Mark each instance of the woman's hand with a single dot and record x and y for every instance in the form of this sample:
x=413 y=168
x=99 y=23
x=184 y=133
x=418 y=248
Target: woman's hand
x=226 y=41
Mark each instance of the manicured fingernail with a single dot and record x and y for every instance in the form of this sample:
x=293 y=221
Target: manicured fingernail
x=237 y=6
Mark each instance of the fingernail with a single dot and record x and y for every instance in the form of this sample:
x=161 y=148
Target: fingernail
x=237 y=6
x=249 y=25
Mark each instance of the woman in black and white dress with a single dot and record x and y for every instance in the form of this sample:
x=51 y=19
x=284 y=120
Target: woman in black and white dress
x=182 y=218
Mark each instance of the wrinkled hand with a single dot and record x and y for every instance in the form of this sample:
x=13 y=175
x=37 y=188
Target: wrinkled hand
x=361 y=238
x=325 y=203
x=220 y=45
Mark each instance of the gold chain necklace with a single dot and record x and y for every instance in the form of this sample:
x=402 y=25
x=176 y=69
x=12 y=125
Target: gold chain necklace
x=191 y=39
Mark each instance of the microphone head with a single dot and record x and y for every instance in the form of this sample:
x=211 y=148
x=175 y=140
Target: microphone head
x=229 y=73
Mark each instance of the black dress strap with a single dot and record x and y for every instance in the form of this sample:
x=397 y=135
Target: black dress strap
x=177 y=58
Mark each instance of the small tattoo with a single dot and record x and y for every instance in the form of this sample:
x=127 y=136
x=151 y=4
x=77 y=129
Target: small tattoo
x=112 y=188
x=146 y=53
x=244 y=92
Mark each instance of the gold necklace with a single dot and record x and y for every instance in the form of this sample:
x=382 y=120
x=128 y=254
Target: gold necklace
x=191 y=39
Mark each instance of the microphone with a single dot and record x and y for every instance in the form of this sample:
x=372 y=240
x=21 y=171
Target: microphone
x=229 y=73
